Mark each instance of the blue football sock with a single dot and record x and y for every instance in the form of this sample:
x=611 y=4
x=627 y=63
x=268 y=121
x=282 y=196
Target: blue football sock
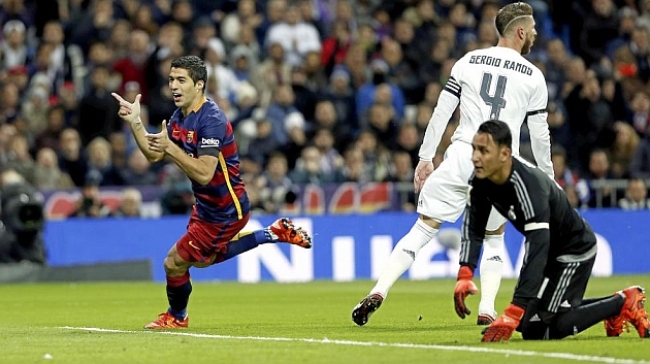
x=178 y=297
x=246 y=241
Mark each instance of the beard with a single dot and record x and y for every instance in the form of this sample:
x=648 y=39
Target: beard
x=528 y=44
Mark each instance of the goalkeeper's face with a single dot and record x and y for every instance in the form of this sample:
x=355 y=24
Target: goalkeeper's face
x=488 y=157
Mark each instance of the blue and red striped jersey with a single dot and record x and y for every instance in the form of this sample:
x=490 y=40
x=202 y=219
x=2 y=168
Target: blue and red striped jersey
x=207 y=131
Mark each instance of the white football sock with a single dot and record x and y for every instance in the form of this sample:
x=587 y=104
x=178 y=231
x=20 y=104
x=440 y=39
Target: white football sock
x=491 y=270
x=403 y=256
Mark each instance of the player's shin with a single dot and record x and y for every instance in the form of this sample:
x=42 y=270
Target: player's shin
x=403 y=256
x=178 y=294
x=586 y=316
x=245 y=241
x=491 y=271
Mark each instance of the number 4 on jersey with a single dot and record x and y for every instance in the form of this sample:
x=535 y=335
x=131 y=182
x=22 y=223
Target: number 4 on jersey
x=496 y=102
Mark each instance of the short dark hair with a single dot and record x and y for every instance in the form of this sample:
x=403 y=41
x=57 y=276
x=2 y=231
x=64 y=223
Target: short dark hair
x=499 y=130
x=510 y=12
x=195 y=68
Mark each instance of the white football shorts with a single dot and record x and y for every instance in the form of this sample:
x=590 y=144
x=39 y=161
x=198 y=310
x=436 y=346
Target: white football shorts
x=444 y=194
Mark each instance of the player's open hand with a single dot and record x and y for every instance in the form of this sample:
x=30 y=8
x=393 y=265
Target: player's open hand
x=129 y=112
x=503 y=327
x=160 y=141
x=464 y=287
x=422 y=171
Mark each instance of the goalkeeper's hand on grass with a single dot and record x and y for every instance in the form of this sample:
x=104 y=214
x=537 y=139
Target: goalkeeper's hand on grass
x=503 y=327
x=464 y=288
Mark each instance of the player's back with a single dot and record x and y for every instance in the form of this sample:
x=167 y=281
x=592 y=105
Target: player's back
x=497 y=83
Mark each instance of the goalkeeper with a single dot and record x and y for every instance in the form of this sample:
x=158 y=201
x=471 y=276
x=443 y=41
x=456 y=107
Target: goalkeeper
x=560 y=248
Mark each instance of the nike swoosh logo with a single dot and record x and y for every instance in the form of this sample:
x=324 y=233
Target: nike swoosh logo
x=194 y=246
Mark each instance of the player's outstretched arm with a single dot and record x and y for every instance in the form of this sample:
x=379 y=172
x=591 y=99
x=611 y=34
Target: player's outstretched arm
x=130 y=112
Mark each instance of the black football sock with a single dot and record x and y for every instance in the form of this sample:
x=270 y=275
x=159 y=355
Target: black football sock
x=178 y=295
x=586 y=316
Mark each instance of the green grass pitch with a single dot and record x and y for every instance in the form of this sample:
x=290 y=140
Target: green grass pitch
x=280 y=323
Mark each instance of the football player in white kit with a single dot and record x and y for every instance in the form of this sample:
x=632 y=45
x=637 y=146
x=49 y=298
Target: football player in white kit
x=492 y=83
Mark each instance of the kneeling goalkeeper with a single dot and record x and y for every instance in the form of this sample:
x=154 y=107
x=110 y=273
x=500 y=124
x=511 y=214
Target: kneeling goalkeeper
x=560 y=251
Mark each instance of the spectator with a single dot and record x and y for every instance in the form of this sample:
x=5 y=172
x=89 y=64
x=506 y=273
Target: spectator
x=408 y=141
x=305 y=96
x=280 y=108
x=245 y=16
x=641 y=113
x=366 y=93
x=400 y=72
x=276 y=186
x=402 y=172
x=599 y=28
x=130 y=204
x=133 y=66
x=71 y=156
x=271 y=73
x=264 y=143
x=336 y=46
x=355 y=168
x=14 y=46
x=635 y=196
x=341 y=97
x=9 y=102
x=330 y=160
x=309 y=169
x=101 y=164
x=623 y=149
x=97 y=109
x=296 y=37
x=19 y=158
x=640 y=164
x=90 y=204
x=375 y=156
x=599 y=170
x=49 y=138
x=47 y=175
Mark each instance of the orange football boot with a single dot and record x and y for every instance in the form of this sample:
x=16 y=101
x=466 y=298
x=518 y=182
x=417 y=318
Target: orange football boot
x=286 y=232
x=167 y=321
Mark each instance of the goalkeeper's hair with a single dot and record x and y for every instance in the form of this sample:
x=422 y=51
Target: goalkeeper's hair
x=499 y=130
x=510 y=15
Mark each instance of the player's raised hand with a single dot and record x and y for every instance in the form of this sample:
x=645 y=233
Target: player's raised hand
x=422 y=171
x=129 y=112
x=158 y=142
x=464 y=287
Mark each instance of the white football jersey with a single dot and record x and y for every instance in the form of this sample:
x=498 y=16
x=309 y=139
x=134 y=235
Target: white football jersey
x=493 y=83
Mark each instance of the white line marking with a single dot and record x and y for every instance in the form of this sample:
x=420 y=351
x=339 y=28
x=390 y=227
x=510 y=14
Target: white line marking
x=471 y=349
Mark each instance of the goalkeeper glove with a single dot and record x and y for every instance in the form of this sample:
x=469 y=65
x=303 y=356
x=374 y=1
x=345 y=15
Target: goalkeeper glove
x=503 y=327
x=464 y=288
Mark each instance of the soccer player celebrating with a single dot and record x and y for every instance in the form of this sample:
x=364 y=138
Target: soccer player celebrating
x=560 y=248
x=200 y=141
x=491 y=83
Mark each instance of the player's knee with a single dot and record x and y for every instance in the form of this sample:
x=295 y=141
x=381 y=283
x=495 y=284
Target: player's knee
x=494 y=241
x=173 y=269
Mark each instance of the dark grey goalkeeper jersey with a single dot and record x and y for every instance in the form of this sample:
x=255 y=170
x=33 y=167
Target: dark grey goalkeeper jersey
x=540 y=210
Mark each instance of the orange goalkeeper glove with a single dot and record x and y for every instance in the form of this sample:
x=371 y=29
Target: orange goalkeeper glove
x=503 y=327
x=464 y=288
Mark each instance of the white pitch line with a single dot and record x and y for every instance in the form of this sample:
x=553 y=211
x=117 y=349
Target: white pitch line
x=471 y=349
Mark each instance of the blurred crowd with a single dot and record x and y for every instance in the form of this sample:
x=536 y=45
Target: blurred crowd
x=318 y=91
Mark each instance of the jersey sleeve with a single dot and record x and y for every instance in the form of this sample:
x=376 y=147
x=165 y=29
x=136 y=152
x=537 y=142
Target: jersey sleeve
x=475 y=220
x=212 y=132
x=540 y=137
x=533 y=197
x=447 y=102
